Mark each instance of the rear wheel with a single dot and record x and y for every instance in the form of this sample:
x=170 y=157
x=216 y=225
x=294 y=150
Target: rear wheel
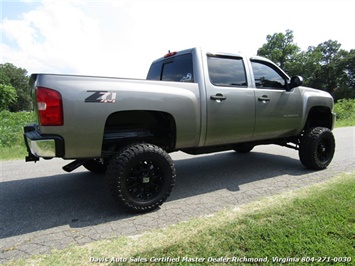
x=141 y=177
x=317 y=148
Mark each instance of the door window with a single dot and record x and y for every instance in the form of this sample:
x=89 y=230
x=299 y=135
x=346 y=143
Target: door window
x=267 y=77
x=226 y=71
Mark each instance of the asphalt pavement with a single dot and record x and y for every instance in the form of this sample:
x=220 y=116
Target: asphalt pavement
x=44 y=208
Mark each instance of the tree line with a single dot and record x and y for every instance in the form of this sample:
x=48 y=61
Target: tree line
x=326 y=67
x=14 y=88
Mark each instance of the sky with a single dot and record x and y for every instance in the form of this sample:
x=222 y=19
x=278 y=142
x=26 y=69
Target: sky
x=120 y=38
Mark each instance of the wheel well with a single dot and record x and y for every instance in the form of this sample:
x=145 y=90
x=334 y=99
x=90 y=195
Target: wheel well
x=122 y=128
x=319 y=116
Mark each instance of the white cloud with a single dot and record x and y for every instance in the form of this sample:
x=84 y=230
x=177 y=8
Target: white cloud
x=58 y=35
x=121 y=38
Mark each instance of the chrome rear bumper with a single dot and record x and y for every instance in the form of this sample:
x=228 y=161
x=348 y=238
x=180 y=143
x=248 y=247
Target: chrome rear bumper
x=42 y=148
x=41 y=145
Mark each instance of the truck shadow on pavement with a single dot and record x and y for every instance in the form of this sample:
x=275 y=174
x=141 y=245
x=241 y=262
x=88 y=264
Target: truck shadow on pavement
x=230 y=170
x=80 y=199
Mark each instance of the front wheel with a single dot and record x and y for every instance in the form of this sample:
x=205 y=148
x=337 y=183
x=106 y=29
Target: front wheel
x=317 y=148
x=141 y=177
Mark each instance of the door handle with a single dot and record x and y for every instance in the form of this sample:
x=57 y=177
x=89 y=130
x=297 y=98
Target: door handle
x=264 y=99
x=218 y=97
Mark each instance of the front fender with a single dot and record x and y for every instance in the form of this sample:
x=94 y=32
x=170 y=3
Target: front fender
x=317 y=108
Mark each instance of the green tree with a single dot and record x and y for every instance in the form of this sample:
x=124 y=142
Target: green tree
x=311 y=66
x=346 y=78
x=350 y=68
x=280 y=49
x=17 y=78
x=326 y=66
x=8 y=96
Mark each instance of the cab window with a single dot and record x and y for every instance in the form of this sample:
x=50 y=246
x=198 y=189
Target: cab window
x=226 y=71
x=177 y=68
x=266 y=76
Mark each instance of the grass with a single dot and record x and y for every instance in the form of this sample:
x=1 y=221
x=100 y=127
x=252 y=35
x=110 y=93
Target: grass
x=346 y=122
x=315 y=224
x=345 y=110
x=11 y=134
x=13 y=153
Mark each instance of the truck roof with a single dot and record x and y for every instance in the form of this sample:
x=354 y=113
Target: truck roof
x=211 y=52
x=217 y=53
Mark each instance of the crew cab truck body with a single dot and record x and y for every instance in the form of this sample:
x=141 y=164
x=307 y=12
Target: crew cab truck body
x=196 y=101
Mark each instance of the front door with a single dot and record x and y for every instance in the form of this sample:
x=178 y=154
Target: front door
x=278 y=111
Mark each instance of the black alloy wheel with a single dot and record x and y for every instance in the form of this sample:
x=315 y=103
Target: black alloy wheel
x=145 y=180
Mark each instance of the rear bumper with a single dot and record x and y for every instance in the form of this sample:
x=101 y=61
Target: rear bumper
x=42 y=145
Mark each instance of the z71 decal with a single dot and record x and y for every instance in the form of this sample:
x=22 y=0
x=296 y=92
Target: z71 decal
x=101 y=97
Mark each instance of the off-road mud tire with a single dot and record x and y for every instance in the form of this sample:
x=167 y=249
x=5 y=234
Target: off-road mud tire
x=140 y=177
x=317 y=148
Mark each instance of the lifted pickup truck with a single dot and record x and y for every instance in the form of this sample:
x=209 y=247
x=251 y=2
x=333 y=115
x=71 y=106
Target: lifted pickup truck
x=196 y=101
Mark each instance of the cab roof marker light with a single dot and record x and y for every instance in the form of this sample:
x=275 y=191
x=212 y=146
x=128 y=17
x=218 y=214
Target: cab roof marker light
x=170 y=54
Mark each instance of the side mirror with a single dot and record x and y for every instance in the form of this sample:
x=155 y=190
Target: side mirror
x=296 y=81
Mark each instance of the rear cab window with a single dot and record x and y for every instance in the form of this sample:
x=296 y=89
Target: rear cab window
x=178 y=68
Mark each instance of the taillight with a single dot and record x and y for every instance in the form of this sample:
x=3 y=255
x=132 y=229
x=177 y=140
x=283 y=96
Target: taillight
x=50 y=107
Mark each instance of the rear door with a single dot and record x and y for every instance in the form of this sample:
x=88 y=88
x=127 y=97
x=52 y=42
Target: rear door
x=278 y=111
x=230 y=103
